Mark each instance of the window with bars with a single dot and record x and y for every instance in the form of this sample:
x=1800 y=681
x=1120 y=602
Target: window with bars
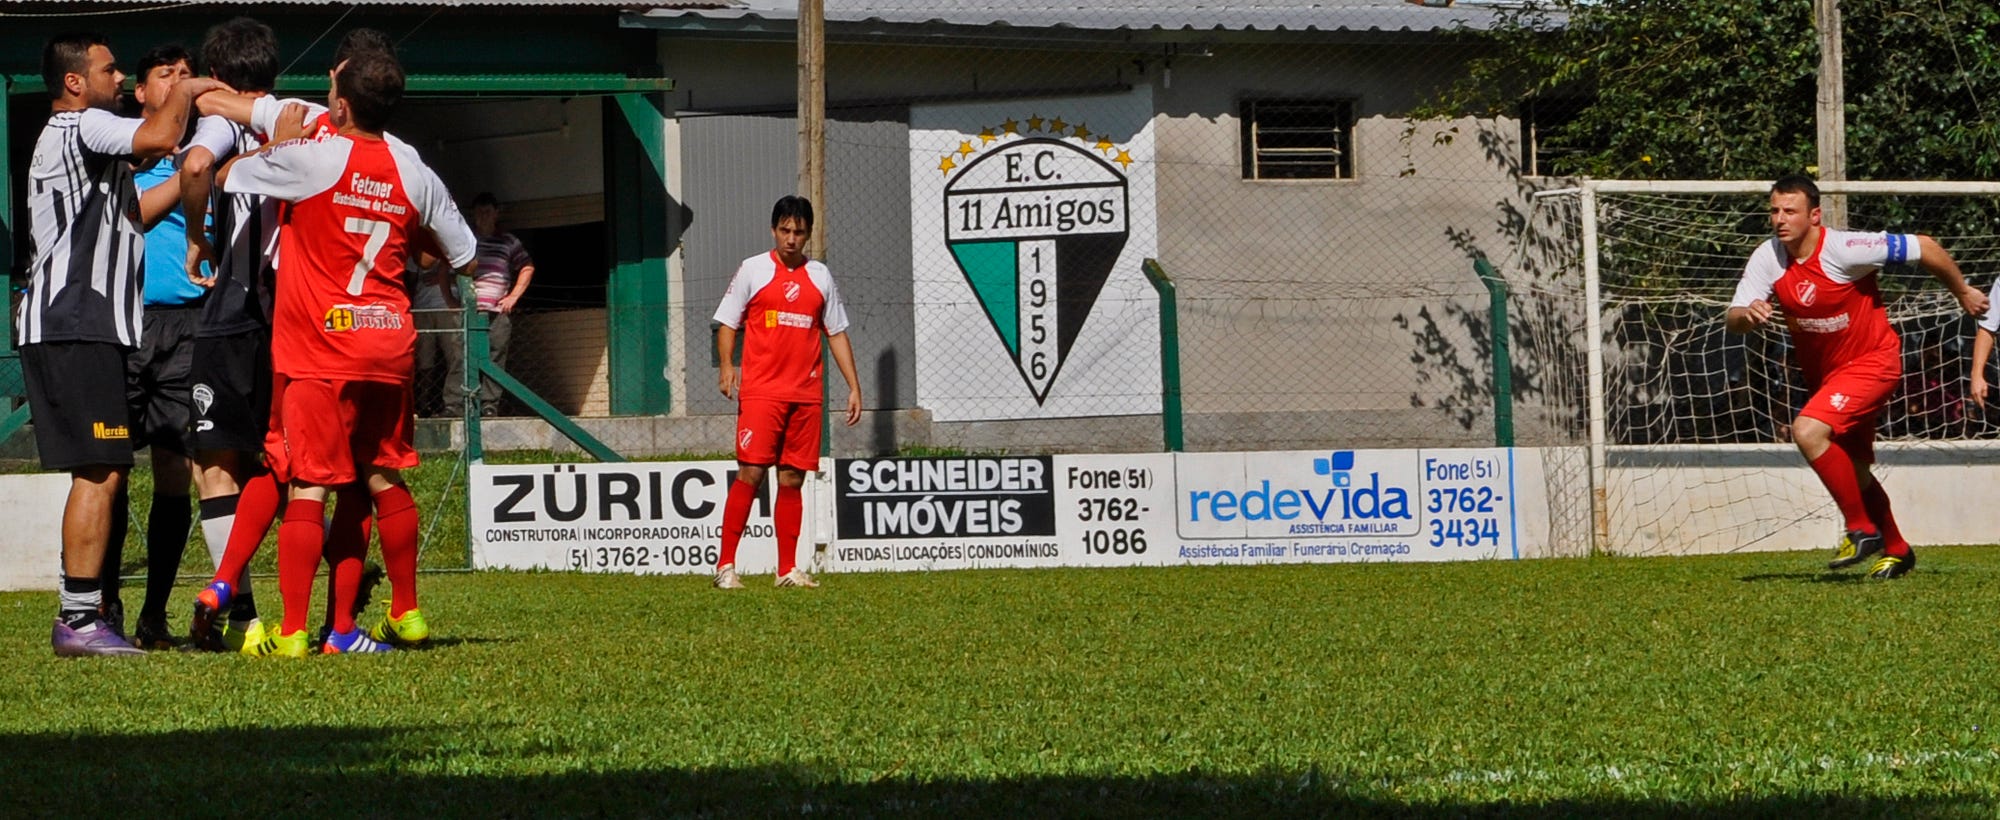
x=1298 y=139
x=1540 y=118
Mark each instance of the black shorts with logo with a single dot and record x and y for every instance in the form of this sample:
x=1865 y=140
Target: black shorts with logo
x=76 y=393
x=156 y=378
x=231 y=392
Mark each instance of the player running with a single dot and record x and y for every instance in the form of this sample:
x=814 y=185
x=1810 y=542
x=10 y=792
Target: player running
x=789 y=301
x=1825 y=280
x=342 y=335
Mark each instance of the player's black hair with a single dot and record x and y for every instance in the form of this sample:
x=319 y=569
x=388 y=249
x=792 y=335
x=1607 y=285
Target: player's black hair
x=357 y=40
x=792 y=207
x=485 y=198
x=162 y=55
x=243 y=53
x=1798 y=184
x=67 y=54
x=372 y=84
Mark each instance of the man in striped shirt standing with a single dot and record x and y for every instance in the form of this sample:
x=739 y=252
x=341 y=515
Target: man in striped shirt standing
x=81 y=315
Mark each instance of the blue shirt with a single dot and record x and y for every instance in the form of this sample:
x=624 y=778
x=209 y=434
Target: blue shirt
x=167 y=283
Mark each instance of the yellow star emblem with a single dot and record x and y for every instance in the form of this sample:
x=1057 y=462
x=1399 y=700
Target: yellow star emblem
x=1123 y=159
x=945 y=165
x=1058 y=126
x=1010 y=127
x=1104 y=143
x=965 y=149
x=1082 y=132
x=1035 y=123
x=986 y=136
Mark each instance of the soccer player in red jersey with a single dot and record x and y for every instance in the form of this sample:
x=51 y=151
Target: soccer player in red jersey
x=1824 y=279
x=782 y=302
x=342 y=336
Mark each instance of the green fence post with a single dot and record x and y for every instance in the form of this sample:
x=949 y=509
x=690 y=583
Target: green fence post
x=476 y=353
x=1171 y=421
x=1503 y=363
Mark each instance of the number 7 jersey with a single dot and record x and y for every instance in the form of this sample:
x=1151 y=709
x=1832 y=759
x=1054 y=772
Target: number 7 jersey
x=351 y=205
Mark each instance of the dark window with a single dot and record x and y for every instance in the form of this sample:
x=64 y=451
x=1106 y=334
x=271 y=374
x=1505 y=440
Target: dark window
x=1298 y=139
x=1541 y=118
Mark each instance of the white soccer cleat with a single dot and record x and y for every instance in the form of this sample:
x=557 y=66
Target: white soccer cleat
x=725 y=578
x=796 y=578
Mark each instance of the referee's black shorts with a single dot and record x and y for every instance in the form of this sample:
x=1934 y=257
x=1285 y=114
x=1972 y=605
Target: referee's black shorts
x=157 y=378
x=76 y=393
x=231 y=392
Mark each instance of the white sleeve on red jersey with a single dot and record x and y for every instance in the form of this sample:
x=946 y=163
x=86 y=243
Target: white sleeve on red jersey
x=1760 y=274
x=434 y=205
x=264 y=112
x=1847 y=256
x=1991 y=321
x=290 y=172
x=833 y=314
x=216 y=134
x=751 y=276
x=106 y=133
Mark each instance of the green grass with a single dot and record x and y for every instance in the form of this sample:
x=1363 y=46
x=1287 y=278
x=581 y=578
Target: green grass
x=1733 y=685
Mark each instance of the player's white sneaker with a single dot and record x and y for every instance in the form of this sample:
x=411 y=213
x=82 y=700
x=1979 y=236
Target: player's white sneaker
x=796 y=578
x=725 y=578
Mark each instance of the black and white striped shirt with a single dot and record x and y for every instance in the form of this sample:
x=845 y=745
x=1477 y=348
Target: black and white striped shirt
x=89 y=248
x=240 y=301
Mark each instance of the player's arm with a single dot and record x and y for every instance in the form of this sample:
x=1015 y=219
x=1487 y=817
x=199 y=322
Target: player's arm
x=1937 y=262
x=1749 y=317
x=1751 y=308
x=161 y=131
x=728 y=319
x=1982 y=349
x=524 y=272
x=725 y=349
x=158 y=201
x=843 y=358
x=213 y=138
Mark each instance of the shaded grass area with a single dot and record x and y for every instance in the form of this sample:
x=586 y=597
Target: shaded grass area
x=1748 y=685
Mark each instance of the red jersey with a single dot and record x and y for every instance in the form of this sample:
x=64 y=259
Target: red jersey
x=352 y=204
x=1830 y=299
x=782 y=313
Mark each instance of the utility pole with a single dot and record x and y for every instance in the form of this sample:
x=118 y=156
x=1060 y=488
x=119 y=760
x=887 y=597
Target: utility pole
x=1832 y=108
x=812 y=118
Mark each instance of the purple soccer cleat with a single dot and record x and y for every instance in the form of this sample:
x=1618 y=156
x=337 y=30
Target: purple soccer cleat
x=96 y=639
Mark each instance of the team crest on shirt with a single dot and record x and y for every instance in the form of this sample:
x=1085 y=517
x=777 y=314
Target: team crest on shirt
x=1036 y=225
x=1806 y=291
x=791 y=291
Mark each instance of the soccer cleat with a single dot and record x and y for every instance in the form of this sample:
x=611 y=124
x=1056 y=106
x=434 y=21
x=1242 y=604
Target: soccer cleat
x=152 y=634
x=725 y=578
x=275 y=645
x=408 y=630
x=1855 y=548
x=796 y=578
x=1893 y=566
x=94 y=639
x=351 y=643
x=240 y=636
x=209 y=605
x=113 y=613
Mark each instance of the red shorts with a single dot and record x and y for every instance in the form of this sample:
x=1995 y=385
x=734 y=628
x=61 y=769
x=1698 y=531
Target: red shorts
x=763 y=426
x=322 y=431
x=1851 y=401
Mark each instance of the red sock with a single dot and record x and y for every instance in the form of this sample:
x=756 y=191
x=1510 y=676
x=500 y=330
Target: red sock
x=396 y=519
x=1836 y=471
x=300 y=540
x=256 y=508
x=735 y=516
x=789 y=511
x=1877 y=501
x=346 y=555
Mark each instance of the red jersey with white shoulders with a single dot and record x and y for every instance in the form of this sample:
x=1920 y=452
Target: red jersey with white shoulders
x=783 y=312
x=1831 y=302
x=352 y=204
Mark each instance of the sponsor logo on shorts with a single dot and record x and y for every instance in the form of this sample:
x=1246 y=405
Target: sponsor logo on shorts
x=350 y=318
x=1838 y=400
x=1806 y=291
x=204 y=426
x=106 y=432
x=203 y=397
x=743 y=439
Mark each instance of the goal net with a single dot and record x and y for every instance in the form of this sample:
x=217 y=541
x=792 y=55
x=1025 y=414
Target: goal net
x=1689 y=424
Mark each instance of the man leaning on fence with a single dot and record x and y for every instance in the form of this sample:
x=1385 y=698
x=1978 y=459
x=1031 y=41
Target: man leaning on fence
x=504 y=271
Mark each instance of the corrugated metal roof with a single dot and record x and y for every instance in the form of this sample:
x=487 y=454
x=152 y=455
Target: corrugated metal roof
x=47 y=7
x=1253 y=15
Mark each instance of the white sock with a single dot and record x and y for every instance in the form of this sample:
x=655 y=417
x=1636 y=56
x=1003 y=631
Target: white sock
x=216 y=531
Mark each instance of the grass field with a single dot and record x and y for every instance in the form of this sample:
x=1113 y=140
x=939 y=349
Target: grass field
x=1734 y=685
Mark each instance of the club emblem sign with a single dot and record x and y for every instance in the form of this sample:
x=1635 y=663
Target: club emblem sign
x=1036 y=227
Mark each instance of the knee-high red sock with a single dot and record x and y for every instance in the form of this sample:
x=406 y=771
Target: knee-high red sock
x=345 y=555
x=256 y=508
x=396 y=519
x=789 y=512
x=1877 y=501
x=735 y=516
x=1836 y=471
x=300 y=541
